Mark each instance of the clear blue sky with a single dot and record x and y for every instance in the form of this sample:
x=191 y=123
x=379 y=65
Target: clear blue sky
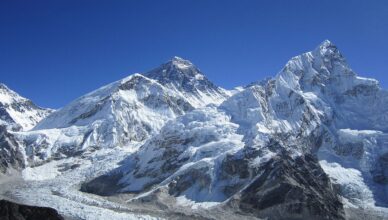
x=57 y=50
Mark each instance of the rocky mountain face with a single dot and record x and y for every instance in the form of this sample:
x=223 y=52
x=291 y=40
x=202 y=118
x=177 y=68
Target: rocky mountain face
x=309 y=143
x=11 y=156
x=16 y=114
x=290 y=188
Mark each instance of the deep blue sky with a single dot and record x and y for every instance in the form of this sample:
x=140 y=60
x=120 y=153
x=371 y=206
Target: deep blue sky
x=56 y=50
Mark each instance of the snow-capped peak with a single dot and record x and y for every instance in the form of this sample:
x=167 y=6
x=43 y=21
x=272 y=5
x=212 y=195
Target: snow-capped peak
x=3 y=87
x=183 y=77
x=6 y=94
x=180 y=63
x=328 y=51
x=326 y=44
x=175 y=69
x=324 y=69
x=17 y=112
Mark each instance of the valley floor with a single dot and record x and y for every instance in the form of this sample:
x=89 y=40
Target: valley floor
x=56 y=184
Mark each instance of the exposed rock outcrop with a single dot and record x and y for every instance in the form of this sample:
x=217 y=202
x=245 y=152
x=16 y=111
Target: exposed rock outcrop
x=14 y=211
x=288 y=188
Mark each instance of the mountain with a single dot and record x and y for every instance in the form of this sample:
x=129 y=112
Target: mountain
x=11 y=152
x=18 y=113
x=127 y=111
x=308 y=143
x=186 y=79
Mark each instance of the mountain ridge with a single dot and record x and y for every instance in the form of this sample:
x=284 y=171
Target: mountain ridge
x=17 y=112
x=310 y=142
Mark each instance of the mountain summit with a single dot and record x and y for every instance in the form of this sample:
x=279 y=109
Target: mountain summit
x=329 y=50
x=17 y=112
x=184 y=77
x=176 y=69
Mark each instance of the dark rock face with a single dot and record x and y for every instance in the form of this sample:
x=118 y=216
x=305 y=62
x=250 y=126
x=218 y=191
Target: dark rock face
x=350 y=149
x=103 y=185
x=362 y=90
x=288 y=188
x=380 y=171
x=181 y=183
x=14 y=211
x=10 y=156
x=5 y=115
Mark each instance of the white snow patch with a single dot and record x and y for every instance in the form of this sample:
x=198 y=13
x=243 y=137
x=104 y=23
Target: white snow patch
x=351 y=181
x=44 y=172
x=183 y=201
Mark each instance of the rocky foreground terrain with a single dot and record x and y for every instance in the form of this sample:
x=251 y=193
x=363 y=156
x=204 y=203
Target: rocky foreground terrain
x=14 y=211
